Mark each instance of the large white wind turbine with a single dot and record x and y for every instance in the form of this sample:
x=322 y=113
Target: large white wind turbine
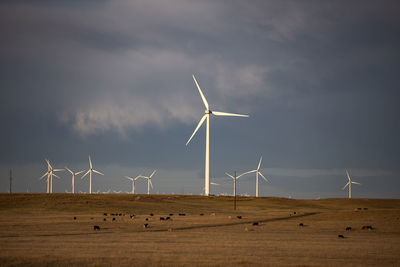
x=133 y=181
x=149 y=183
x=73 y=178
x=50 y=173
x=257 y=171
x=207 y=117
x=349 y=183
x=90 y=171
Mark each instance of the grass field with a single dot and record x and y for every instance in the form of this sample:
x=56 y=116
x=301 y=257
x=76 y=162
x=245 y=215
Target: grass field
x=40 y=230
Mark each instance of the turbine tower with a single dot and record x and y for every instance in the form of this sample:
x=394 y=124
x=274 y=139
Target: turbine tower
x=349 y=183
x=50 y=173
x=235 y=178
x=207 y=117
x=73 y=178
x=133 y=181
x=257 y=171
x=90 y=171
x=149 y=183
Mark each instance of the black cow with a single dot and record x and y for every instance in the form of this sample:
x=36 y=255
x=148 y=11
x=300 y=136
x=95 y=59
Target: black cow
x=74 y=218
x=255 y=223
x=104 y=219
x=146 y=225
x=162 y=218
x=301 y=224
x=340 y=236
x=113 y=219
x=239 y=217
x=348 y=228
x=171 y=214
x=96 y=227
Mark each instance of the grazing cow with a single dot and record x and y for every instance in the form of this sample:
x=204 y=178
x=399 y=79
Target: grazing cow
x=105 y=214
x=301 y=224
x=294 y=212
x=162 y=218
x=365 y=208
x=113 y=219
x=104 y=219
x=201 y=214
x=74 y=218
x=340 y=236
x=96 y=227
x=182 y=214
x=171 y=214
x=367 y=227
x=146 y=225
x=151 y=214
x=147 y=219
x=132 y=216
x=168 y=218
x=239 y=217
x=255 y=223
x=348 y=228
x=120 y=214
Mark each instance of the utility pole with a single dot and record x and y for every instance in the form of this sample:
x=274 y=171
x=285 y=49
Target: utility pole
x=234 y=197
x=10 y=181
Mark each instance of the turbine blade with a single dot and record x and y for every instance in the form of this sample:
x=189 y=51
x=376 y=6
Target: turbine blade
x=90 y=163
x=130 y=178
x=230 y=176
x=218 y=113
x=151 y=184
x=98 y=172
x=355 y=182
x=56 y=176
x=44 y=175
x=69 y=170
x=78 y=172
x=201 y=94
x=151 y=175
x=259 y=163
x=345 y=186
x=58 y=170
x=213 y=183
x=139 y=176
x=246 y=173
x=85 y=174
x=263 y=176
x=198 y=126
x=348 y=175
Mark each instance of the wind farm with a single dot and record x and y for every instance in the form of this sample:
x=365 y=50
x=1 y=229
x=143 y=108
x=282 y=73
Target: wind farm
x=199 y=133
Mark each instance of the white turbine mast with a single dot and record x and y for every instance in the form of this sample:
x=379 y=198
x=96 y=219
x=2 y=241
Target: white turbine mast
x=349 y=183
x=235 y=180
x=133 y=181
x=257 y=171
x=50 y=173
x=90 y=171
x=149 y=183
x=73 y=178
x=207 y=117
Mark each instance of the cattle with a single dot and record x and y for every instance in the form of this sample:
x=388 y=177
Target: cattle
x=162 y=218
x=120 y=214
x=294 y=212
x=367 y=227
x=255 y=223
x=365 y=208
x=168 y=218
x=151 y=214
x=96 y=227
x=239 y=217
x=182 y=214
x=201 y=214
x=132 y=216
x=146 y=225
x=113 y=219
x=104 y=219
x=147 y=219
x=74 y=218
x=171 y=214
x=301 y=224
x=348 y=228
x=105 y=214
x=340 y=236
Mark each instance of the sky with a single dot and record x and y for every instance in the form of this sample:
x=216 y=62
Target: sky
x=113 y=80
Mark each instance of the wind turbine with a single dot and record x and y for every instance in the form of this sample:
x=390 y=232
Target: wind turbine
x=133 y=181
x=207 y=117
x=234 y=177
x=257 y=171
x=90 y=171
x=149 y=183
x=50 y=173
x=349 y=183
x=73 y=178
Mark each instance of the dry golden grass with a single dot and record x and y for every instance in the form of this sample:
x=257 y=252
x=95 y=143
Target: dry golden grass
x=39 y=230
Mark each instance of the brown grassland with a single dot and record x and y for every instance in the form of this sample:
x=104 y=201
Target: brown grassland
x=40 y=230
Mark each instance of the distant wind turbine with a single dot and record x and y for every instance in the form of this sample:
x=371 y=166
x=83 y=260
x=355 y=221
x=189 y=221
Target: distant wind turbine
x=257 y=171
x=73 y=178
x=90 y=171
x=50 y=173
x=133 y=181
x=149 y=183
x=235 y=178
x=349 y=183
x=207 y=117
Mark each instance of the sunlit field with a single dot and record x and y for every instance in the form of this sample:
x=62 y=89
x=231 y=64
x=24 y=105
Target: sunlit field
x=58 y=229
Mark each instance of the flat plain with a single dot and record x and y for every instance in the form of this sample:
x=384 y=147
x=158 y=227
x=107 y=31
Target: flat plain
x=58 y=229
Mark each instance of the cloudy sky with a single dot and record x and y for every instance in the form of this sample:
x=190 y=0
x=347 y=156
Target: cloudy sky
x=113 y=79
